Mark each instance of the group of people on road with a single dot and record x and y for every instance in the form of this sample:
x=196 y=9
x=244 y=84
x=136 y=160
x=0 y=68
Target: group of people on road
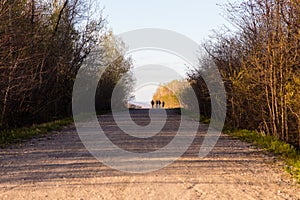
x=157 y=104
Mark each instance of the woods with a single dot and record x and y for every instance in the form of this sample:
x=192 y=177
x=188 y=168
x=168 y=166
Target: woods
x=42 y=46
x=44 y=43
x=260 y=66
x=170 y=93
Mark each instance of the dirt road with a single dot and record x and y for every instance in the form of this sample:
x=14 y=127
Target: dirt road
x=59 y=167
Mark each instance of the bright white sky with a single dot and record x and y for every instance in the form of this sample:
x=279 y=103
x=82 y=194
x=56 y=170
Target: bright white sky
x=193 y=18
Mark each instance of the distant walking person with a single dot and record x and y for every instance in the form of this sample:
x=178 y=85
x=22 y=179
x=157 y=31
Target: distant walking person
x=152 y=103
x=159 y=102
x=163 y=104
x=156 y=103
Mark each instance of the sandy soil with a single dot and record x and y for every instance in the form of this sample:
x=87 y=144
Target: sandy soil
x=58 y=166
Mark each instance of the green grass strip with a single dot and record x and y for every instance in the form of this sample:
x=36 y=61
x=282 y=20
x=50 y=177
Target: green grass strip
x=288 y=153
x=22 y=134
x=19 y=135
x=193 y=115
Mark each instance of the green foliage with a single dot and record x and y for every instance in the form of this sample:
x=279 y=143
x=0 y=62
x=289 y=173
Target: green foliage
x=195 y=116
x=287 y=152
x=20 y=134
x=204 y=119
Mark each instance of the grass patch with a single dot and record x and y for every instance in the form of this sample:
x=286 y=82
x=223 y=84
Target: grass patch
x=204 y=120
x=288 y=153
x=195 y=116
x=22 y=134
x=18 y=135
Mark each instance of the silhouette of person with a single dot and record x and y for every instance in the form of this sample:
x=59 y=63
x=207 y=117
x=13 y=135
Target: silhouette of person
x=159 y=102
x=156 y=103
x=163 y=104
x=152 y=103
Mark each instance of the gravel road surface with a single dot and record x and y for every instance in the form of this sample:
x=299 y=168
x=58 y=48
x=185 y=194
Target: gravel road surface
x=57 y=166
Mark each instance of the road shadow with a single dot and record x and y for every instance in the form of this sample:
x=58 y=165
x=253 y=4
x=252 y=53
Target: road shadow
x=61 y=156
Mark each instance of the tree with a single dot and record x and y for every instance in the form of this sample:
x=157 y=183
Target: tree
x=42 y=46
x=170 y=93
x=116 y=75
x=259 y=64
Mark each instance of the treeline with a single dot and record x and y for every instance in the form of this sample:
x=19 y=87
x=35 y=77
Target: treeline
x=260 y=66
x=42 y=46
x=170 y=93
